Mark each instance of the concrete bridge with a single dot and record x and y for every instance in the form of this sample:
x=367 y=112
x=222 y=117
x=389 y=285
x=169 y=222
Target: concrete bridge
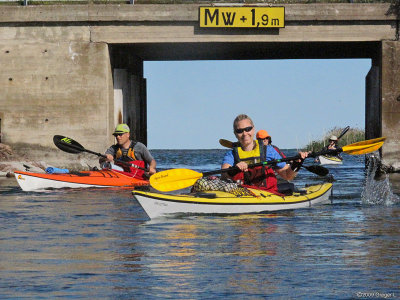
x=78 y=69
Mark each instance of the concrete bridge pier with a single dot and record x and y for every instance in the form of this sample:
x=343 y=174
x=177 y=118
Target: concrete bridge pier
x=390 y=107
x=130 y=100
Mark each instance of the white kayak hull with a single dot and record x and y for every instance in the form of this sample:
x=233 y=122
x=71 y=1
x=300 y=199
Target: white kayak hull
x=329 y=160
x=33 y=183
x=29 y=181
x=157 y=204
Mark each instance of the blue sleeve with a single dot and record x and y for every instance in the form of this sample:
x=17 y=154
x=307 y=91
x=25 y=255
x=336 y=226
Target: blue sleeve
x=228 y=158
x=272 y=154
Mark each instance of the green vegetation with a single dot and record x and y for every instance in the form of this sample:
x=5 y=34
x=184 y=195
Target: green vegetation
x=352 y=136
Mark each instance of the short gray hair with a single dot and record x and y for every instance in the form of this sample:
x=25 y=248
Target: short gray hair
x=240 y=118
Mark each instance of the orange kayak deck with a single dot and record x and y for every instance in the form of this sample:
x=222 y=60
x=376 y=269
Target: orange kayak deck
x=101 y=178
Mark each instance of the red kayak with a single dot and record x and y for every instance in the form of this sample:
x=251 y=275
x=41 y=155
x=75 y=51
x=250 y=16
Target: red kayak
x=29 y=181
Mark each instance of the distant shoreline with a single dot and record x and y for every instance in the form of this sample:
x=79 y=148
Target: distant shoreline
x=352 y=136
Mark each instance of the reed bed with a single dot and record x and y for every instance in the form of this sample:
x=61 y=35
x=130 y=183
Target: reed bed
x=352 y=136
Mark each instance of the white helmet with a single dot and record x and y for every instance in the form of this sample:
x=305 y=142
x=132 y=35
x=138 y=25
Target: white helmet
x=333 y=138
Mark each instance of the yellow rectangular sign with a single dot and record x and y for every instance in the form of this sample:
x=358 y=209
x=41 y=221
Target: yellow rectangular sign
x=242 y=17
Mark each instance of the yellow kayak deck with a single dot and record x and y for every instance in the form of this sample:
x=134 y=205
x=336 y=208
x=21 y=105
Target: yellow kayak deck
x=261 y=197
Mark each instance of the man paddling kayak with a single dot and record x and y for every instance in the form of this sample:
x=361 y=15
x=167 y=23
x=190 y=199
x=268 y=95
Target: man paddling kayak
x=131 y=151
x=252 y=151
x=333 y=144
x=329 y=159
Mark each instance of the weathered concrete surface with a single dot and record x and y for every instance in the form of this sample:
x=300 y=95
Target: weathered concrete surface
x=188 y=12
x=58 y=61
x=391 y=103
x=54 y=81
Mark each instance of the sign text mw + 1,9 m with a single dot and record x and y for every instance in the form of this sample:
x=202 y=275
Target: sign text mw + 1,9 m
x=242 y=17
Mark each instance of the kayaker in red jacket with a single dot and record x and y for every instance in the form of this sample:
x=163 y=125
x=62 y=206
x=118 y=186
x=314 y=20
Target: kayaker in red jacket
x=250 y=151
x=129 y=151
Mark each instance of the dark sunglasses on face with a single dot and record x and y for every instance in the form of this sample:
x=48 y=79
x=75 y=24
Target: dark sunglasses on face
x=118 y=134
x=241 y=130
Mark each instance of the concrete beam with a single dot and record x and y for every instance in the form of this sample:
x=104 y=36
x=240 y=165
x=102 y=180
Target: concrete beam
x=187 y=12
x=127 y=34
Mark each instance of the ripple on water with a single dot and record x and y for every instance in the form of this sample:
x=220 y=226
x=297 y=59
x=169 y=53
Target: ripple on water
x=100 y=244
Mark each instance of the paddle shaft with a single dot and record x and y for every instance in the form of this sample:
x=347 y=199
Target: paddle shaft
x=321 y=171
x=275 y=161
x=175 y=179
x=119 y=161
x=343 y=132
x=79 y=148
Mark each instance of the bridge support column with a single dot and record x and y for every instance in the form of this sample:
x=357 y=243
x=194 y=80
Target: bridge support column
x=130 y=105
x=390 y=109
x=373 y=122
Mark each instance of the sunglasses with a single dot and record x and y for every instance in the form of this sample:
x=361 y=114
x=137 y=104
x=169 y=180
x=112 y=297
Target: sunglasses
x=119 y=134
x=241 y=130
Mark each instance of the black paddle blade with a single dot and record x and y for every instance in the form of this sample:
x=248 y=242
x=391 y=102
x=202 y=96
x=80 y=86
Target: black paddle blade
x=343 y=132
x=68 y=145
x=319 y=170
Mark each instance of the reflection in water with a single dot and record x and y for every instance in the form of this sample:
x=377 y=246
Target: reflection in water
x=227 y=248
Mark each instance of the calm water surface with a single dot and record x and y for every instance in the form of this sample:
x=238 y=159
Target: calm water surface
x=99 y=243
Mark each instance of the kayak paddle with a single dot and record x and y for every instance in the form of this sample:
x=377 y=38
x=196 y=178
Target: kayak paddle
x=228 y=144
x=69 y=145
x=175 y=179
x=343 y=132
x=319 y=170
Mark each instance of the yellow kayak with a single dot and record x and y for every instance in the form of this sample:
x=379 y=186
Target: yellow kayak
x=218 y=202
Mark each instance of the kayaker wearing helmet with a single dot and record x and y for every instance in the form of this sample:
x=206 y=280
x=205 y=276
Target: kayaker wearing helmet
x=262 y=135
x=129 y=151
x=251 y=151
x=333 y=144
x=333 y=140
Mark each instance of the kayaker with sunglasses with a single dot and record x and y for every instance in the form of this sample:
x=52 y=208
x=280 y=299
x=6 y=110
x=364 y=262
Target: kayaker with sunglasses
x=252 y=151
x=131 y=151
x=263 y=136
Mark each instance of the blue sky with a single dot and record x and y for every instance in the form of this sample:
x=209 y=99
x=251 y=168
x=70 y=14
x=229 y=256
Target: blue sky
x=192 y=104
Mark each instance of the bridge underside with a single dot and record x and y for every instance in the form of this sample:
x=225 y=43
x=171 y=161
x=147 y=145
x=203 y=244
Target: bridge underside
x=130 y=57
x=249 y=51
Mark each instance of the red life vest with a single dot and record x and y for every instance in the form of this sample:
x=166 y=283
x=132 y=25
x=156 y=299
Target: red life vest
x=261 y=177
x=131 y=159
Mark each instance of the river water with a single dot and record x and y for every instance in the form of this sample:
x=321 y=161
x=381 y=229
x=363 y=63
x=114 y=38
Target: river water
x=99 y=244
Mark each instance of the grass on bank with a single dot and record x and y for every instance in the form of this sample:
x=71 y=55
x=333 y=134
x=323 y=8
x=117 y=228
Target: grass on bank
x=352 y=136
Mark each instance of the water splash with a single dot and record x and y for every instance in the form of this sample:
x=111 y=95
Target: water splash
x=377 y=192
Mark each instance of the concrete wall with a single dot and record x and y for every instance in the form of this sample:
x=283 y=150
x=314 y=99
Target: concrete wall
x=54 y=81
x=49 y=83
x=391 y=102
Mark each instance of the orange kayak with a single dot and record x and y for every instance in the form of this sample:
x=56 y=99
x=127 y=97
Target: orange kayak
x=29 y=181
